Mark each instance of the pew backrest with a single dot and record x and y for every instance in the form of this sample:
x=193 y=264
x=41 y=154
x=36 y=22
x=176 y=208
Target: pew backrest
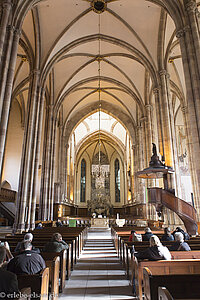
x=39 y=284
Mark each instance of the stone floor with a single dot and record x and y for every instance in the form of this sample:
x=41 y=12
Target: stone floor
x=98 y=273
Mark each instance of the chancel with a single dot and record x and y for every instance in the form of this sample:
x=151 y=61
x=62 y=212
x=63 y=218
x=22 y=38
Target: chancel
x=100 y=136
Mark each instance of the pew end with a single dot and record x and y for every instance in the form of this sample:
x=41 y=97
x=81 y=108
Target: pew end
x=39 y=283
x=164 y=294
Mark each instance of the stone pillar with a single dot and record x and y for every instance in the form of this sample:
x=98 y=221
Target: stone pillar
x=193 y=16
x=6 y=96
x=44 y=208
x=5 y=12
x=37 y=157
x=175 y=151
x=149 y=132
x=65 y=170
x=156 y=92
x=140 y=157
x=193 y=103
x=165 y=117
x=50 y=200
x=24 y=196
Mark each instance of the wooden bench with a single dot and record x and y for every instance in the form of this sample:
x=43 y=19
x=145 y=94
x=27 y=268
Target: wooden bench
x=163 y=294
x=181 y=286
x=39 y=284
x=54 y=268
x=63 y=259
x=129 y=264
x=162 y=267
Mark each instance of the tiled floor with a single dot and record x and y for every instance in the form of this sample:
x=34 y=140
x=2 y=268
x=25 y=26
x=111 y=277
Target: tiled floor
x=98 y=274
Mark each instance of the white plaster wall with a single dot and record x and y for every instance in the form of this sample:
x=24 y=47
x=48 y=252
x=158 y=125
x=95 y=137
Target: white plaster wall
x=13 y=148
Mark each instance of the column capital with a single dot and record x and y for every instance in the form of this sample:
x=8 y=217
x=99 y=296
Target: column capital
x=191 y=6
x=156 y=90
x=184 y=109
x=181 y=32
x=133 y=147
x=143 y=119
x=148 y=107
x=164 y=73
x=7 y=5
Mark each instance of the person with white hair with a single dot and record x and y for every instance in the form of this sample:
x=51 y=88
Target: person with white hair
x=156 y=251
x=147 y=235
x=179 y=244
x=28 y=237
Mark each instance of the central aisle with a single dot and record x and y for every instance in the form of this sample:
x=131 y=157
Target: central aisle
x=98 y=273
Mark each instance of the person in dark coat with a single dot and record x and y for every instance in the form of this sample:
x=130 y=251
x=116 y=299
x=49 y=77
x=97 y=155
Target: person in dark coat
x=56 y=244
x=167 y=235
x=147 y=235
x=26 y=262
x=185 y=234
x=8 y=280
x=179 y=244
x=156 y=251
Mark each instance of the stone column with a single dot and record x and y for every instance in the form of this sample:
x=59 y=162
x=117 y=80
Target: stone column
x=175 y=151
x=24 y=196
x=44 y=209
x=50 y=200
x=156 y=92
x=193 y=16
x=148 y=131
x=140 y=156
x=8 y=92
x=37 y=157
x=65 y=170
x=165 y=117
x=193 y=103
x=6 y=9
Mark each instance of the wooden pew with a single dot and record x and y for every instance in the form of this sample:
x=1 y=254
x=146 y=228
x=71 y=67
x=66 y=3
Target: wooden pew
x=54 y=268
x=163 y=294
x=63 y=260
x=39 y=284
x=165 y=267
x=181 y=286
x=129 y=264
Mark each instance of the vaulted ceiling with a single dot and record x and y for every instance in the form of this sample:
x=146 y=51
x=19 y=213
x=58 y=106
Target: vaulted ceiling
x=117 y=45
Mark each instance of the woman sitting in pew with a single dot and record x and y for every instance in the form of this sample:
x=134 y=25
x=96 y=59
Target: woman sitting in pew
x=56 y=244
x=135 y=237
x=156 y=251
x=8 y=280
x=180 y=244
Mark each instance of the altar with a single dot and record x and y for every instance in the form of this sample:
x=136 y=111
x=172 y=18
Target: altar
x=100 y=222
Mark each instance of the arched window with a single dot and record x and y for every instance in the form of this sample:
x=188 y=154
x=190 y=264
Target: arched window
x=117 y=181
x=83 y=180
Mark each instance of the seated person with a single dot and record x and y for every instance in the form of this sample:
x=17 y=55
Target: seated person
x=156 y=251
x=27 y=261
x=39 y=226
x=8 y=257
x=28 y=237
x=135 y=237
x=167 y=235
x=8 y=280
x=59 y=223
x=56 y=244
x=147 y=235
x=185 y=234
x=180 y=244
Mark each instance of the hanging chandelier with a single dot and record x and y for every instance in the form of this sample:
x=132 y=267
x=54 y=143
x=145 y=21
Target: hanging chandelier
x=99 y=171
